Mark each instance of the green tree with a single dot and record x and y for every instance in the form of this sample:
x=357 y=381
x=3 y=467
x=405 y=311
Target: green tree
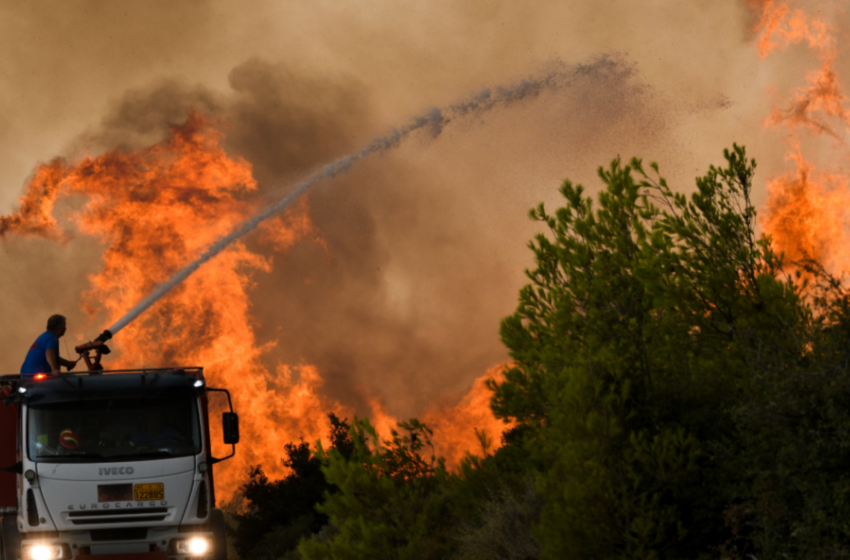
x=675 y=394
x=388 y=504
x=632 y=346
x=792 y=489
x=281 y=512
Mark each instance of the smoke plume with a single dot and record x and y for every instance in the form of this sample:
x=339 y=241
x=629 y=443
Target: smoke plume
x=388 y=295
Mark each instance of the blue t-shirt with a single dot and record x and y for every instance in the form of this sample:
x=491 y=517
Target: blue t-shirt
x=36 y=360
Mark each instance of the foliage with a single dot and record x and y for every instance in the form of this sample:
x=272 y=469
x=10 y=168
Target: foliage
x=676 y=392
x=792 y=484
x=632 y=346
x=280 y=513
x=386 y=506
x=502 y=528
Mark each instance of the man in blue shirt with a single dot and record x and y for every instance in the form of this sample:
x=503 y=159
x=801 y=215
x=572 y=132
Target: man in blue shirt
x=43 y=356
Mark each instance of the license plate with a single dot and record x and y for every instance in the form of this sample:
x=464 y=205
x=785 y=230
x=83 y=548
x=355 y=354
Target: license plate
x=145 y=492
x=114 y=492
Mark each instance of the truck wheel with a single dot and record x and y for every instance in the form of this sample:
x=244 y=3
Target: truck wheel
x=219 y=531
x=11 y=538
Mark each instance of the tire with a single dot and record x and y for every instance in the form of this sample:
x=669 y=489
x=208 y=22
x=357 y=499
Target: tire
x=219 y=531
x=11 y=545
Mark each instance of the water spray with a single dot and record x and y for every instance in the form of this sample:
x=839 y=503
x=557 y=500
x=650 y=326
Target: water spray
x=433 y=121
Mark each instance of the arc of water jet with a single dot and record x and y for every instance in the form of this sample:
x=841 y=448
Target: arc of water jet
x=434 y=120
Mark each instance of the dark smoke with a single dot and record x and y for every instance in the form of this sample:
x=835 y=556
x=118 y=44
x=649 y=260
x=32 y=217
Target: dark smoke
x=434 y=121
x=351 y=330
x=422 y=249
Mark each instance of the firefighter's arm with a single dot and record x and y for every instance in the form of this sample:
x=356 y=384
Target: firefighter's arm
x=53 y=360
x=67 y=363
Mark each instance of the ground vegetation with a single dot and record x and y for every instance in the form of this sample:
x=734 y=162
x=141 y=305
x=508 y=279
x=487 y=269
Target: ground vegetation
x=677 y=390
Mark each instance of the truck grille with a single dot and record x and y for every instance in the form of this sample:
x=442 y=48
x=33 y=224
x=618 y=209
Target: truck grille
x=122 y=534
x=135 y=515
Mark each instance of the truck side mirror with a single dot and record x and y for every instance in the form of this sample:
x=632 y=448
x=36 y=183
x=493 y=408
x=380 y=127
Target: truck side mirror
x=230 y=420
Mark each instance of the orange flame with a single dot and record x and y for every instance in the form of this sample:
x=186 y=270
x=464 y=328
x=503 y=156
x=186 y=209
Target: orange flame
x=779 y=26
x=823 y=96
x=805 y=208
x=806 y=215
x=469 y=426
x=157 y=209
x=35 y=215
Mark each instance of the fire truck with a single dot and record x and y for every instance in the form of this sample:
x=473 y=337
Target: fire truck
x=108 y=465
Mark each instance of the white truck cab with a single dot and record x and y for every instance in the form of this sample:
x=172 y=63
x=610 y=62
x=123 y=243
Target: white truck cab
x=113 y=465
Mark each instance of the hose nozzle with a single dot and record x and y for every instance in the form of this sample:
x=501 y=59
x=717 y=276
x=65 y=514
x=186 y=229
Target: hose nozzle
x=104 y=336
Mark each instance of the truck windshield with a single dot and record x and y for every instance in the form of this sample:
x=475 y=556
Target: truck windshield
x=98 y=430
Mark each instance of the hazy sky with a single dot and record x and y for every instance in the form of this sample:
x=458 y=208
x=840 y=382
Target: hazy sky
x=430 y=239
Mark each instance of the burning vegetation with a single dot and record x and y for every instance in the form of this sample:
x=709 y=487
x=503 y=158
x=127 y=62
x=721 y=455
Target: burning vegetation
x=805 y=213
x=674 y=391
x=158 y=208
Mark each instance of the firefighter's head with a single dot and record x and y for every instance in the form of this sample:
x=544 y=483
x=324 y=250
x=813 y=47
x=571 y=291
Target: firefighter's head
x=57 y=324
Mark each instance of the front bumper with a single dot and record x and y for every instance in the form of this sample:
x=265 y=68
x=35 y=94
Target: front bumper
x=157 y=544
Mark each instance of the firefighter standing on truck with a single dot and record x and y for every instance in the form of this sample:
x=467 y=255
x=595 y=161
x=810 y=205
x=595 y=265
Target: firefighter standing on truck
x=43 y=356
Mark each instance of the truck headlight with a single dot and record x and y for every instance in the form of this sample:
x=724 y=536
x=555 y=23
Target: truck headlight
x=46 y=551
x=196 y=546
